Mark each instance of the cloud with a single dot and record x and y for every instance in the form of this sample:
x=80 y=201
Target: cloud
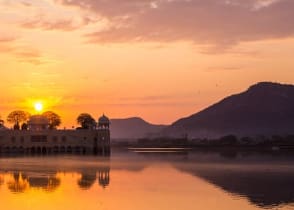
x=221 y=23
x=264 y=3
x=59 y=24
x=7 y=39
x=43 y=14
x=224 y=68
x=26 y=4
x=5 y=43
x=64 y=25
x=28 y=55
x=23 y=53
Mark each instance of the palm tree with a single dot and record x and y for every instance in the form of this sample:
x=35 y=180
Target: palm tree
x=53 y=118
x=86 y=121
x=17 y=117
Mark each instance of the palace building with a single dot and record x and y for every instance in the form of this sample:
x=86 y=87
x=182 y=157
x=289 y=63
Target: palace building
x=38 y=138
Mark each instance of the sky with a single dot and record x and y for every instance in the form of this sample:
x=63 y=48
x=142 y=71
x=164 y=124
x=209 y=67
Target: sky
x=157 y=59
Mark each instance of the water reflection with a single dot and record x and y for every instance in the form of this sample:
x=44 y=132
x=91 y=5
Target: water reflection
x=89 y=177
x=263 y=188
x=187 y=180
x=21 y=182
x=23 y=178
x=103 y=177
x=1 y=180
x=265 y=180
x=18 y=184
x=46 y=183
x=87 y=180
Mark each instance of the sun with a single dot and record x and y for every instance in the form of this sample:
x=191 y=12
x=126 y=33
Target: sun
x=38 y=106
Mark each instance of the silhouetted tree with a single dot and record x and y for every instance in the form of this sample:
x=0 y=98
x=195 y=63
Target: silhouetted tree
x=17 y=117
x=229 y=140
x=1 y=123
x=53 y=118
x=246 y=140
x=86 y=121
x=24 y=126
x=289 y=139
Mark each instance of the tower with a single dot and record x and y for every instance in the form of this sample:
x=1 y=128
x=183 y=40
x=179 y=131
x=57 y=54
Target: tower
x=103 y=123
x=103 y=135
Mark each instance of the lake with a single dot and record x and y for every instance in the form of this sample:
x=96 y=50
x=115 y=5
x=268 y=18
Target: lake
x=149 y=180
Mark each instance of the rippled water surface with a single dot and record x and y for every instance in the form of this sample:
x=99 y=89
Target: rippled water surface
x=133 y=180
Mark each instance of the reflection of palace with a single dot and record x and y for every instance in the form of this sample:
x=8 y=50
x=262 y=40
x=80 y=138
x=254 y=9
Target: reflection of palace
x=40 y=139
x=88 y=178
x=48 y=181
x=103 y=177
x=1 y=180
x=21 y=182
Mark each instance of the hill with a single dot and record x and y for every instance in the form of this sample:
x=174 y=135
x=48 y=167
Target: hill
x=133 y=128
x=264 y=109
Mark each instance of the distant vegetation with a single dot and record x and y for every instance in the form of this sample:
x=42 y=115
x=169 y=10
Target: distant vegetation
x=286 y=141
x=229 y=141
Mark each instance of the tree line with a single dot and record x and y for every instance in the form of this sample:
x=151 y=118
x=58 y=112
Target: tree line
x=19 y=119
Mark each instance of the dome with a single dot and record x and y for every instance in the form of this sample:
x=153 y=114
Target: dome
x=103 y=120
x=38 y=120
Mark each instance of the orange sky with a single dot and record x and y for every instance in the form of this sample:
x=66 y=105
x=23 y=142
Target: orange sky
x=157 y=59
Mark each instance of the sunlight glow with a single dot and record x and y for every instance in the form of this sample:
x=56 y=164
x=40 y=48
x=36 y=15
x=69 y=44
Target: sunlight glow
x=38 y=106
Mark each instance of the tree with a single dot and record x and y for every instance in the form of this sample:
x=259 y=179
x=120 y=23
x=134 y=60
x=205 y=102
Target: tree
x=86 y=121
x=24 y=126
x=229 y=140
x=53 y=118
x=17 y=117
x=1 y=122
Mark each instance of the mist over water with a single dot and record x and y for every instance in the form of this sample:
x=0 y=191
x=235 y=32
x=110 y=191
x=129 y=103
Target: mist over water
x=162 y=180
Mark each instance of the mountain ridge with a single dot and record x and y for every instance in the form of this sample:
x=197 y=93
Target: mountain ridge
x=264 y=108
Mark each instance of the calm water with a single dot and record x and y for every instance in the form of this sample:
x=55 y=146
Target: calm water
x=144 y=180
